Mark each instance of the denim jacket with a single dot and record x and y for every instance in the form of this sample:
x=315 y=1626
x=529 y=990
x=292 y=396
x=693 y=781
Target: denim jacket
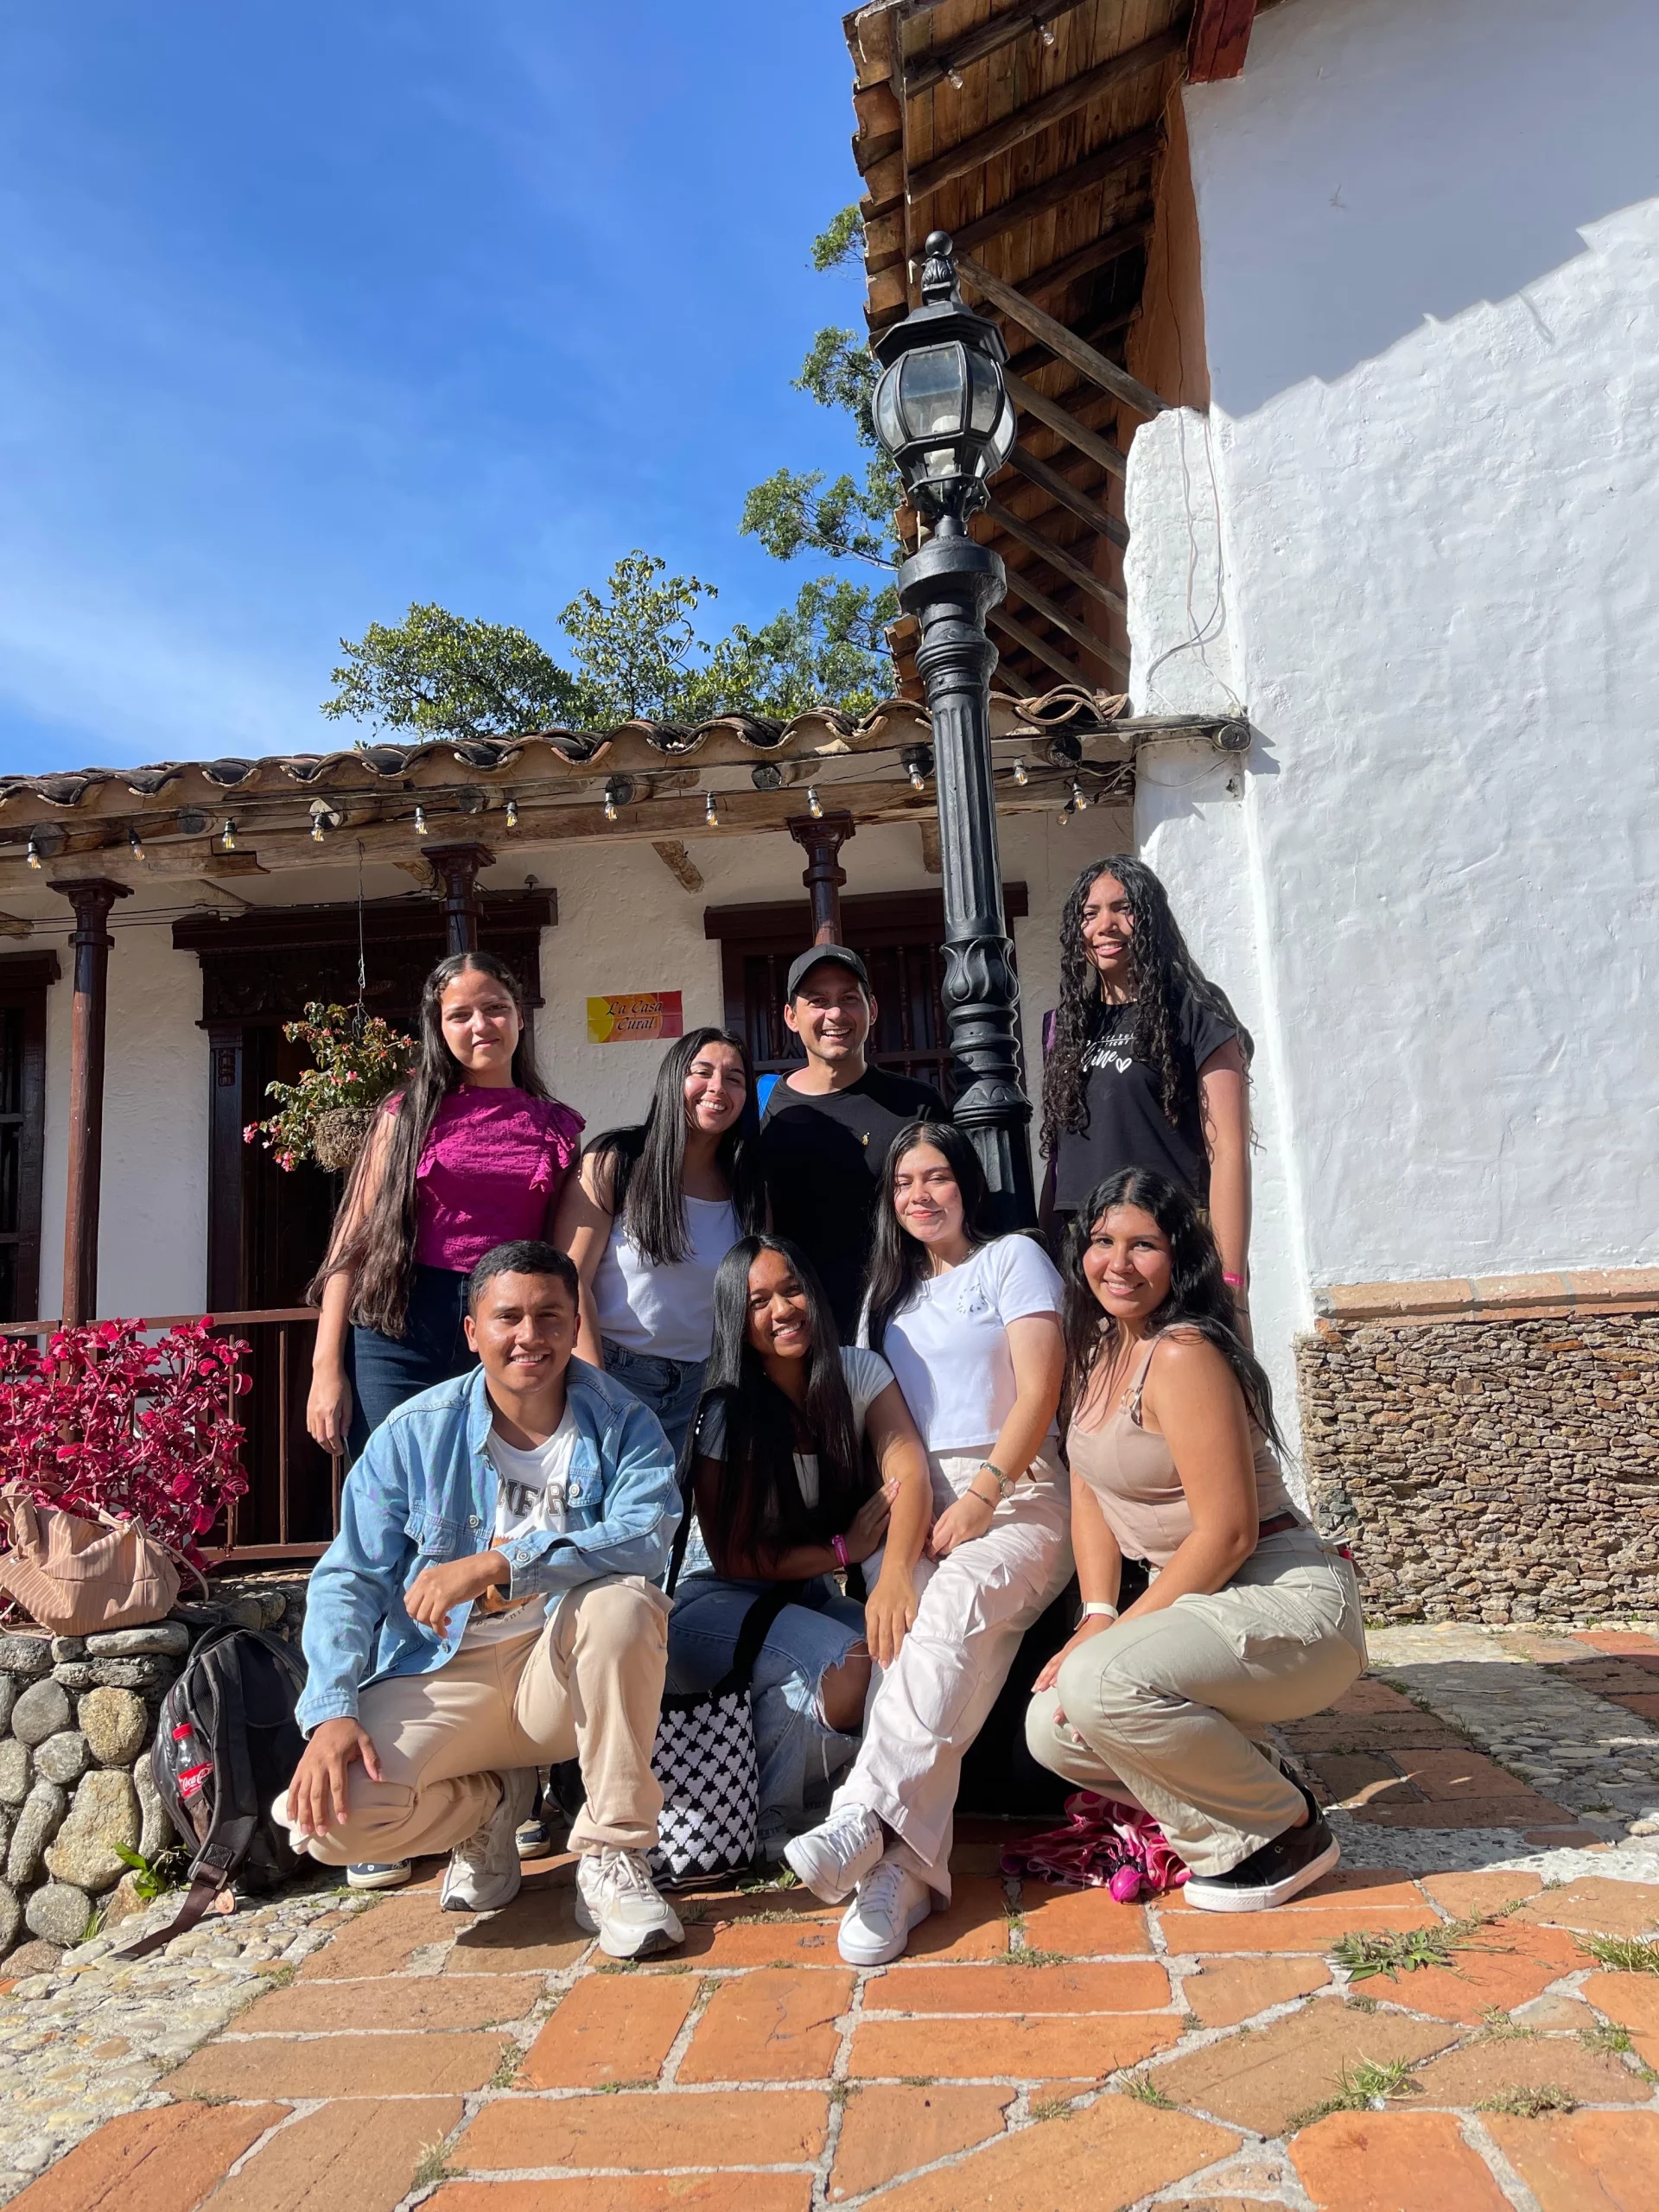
x=424 y=1492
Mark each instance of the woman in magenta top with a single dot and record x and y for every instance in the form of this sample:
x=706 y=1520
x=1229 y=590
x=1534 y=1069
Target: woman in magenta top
x=471 y=1154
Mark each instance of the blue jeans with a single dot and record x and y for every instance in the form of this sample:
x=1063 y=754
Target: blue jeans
x=669 y=1387
x=386 y=1371
x=795 y=1745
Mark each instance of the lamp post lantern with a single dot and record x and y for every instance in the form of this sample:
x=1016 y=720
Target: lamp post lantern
x=941 y=410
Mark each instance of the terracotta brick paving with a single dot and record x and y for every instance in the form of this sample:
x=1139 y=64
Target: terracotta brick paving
x=1037 y=2050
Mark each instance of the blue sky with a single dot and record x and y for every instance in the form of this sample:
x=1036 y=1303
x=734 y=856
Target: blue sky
x=314 y=311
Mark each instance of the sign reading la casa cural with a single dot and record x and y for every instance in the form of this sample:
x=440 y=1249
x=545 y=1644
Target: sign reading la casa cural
x=634 y=1017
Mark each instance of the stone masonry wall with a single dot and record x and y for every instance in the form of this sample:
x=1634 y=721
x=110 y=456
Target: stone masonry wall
x=77 y=1721
x=1490 y=1469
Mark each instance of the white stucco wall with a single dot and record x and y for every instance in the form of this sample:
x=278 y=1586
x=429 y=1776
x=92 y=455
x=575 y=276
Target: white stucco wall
x=1414 y=539
x=625 y=925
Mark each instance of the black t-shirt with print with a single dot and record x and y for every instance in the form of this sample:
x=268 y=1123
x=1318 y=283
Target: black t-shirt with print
x=1125 y=1125
x=822 y=1154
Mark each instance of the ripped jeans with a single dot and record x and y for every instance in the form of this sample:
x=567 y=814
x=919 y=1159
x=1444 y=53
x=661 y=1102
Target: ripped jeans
x=794 y=1744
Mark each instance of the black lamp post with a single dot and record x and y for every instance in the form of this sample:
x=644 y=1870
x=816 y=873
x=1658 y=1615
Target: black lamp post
x=942 y=412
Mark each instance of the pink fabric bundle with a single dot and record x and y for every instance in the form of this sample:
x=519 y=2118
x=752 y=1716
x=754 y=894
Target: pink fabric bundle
x=1103 y=1844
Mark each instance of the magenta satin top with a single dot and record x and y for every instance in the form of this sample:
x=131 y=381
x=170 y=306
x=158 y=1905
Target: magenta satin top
x=493 y=1162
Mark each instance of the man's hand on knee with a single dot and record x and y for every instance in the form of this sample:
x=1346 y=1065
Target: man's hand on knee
x=436 y=1591
x=316 y=1797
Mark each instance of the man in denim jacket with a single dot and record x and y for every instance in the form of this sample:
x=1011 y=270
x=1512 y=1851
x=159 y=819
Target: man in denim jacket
x=489 y=1606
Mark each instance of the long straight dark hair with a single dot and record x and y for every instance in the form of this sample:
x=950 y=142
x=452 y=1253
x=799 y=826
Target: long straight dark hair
x=382 y=1251
x=1163 y=978
x=898 y=1260
x=758 y=1509
x=646 y=1158
x=1198 y=1296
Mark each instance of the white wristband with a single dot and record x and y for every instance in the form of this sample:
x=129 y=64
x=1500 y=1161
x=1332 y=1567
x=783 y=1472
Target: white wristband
x=1098 y=1609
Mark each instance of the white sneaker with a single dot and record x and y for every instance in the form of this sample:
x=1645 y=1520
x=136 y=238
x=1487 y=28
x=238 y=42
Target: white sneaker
x=483 y=1873
x=617 y=1901
x=832 y=1858
x=876 y=1926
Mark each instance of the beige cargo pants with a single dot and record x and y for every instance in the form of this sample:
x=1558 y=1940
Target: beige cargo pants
x=587 y=1685
x=1171 y=1710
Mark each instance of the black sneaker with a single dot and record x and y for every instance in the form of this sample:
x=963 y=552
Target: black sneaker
x=1272 y=1875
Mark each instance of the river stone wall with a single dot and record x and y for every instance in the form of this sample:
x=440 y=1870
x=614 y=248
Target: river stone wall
x=1489 y=1469
x=77 y=1721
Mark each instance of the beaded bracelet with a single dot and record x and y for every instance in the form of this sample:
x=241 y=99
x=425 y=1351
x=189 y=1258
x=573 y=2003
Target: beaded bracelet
x=838 y=1545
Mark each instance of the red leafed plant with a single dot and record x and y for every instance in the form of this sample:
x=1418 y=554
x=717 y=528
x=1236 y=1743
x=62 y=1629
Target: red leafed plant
x=105 y=1421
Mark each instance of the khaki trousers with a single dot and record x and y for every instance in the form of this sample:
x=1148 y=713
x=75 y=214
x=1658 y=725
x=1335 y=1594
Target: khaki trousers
x=1171 y=1710
x=587 y=1685
x=975 y=1604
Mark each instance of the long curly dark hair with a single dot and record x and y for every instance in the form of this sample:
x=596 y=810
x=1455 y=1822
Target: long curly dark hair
x=1198 y=1296
x=1163 y=976
x=381 y=1251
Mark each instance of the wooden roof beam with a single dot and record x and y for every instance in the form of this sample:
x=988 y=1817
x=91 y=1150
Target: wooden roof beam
x=1127 y=238
x=1030 y=401
x=1109 y=161
x=1074 y=628
x=1038 y=648
x=1037 y=115
x=1220 y=39
x=1057 y=558
x=1060 y=339
x=990 y=38
x=1066 y=494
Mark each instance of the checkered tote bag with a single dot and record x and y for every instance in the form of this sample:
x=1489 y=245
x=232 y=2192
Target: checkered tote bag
x=704 y=1755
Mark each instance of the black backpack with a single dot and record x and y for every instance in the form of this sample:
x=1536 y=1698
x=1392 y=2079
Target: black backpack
x=227 y=1746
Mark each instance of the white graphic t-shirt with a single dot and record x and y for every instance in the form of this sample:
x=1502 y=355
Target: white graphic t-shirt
x=529 y=1494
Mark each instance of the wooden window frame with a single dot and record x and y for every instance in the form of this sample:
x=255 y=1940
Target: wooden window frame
x=25 y=979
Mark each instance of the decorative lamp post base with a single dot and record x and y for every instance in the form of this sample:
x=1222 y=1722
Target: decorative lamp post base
x=949 y=586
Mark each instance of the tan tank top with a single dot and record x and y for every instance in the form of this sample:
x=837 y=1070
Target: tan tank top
x=1131 y=1469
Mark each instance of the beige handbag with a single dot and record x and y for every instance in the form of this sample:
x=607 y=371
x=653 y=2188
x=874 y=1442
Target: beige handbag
x=76 y=1576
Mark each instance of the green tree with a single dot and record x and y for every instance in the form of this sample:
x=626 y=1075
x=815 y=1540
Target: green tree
x=445 y=676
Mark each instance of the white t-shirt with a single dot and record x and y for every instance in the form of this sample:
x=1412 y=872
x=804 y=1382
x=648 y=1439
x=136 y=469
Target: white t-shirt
x=949 y=1346
x=667 y=1312
x=867 y=1375
x=529 y=1494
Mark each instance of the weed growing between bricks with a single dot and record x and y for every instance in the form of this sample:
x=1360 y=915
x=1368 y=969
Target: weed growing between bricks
x=1396 y=1951
x=1623 y=1953
x=1521 y=2103
x=1365 y=2088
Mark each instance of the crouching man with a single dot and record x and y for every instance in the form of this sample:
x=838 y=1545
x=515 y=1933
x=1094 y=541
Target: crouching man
x=488 y=1607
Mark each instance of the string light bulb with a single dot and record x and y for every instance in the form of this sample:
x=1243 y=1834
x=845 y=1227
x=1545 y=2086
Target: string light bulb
x=610 y=803
x=1066 y=813
x=316 y=830
x=954 y=79
x=227 y=835
x=1077 y=799
x=420 y=822
x=33 y=856
x=814 y=803
x=917 y=780
x=512 y=814
x=1020 y=777
x=1046 y=32
x=135 y=843
x=710 y=811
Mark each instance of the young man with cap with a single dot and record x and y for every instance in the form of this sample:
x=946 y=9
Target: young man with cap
x=828 y=1126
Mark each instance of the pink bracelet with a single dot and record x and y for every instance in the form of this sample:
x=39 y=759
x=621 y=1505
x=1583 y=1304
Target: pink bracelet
x=1233 y=1282
x=838 y=1545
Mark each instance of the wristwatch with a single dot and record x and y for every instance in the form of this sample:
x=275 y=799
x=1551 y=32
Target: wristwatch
x=1004 y=1484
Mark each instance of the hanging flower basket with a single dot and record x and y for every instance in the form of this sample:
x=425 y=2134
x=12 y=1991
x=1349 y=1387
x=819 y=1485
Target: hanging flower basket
x=338 y=1137
x=326 y=1116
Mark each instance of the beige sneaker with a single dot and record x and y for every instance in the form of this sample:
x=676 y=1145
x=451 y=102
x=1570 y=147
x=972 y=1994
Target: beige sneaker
x=617 y=1901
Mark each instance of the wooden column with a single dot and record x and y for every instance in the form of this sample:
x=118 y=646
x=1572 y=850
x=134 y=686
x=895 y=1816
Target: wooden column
x=457 y=867
x=92 y=897
x=822 y=838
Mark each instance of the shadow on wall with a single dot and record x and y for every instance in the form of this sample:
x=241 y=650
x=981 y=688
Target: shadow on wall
x=1377 y=166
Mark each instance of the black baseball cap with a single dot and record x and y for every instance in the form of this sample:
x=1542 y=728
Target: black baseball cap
x=815 y=956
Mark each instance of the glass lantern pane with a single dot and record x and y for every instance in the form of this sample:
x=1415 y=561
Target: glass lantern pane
x=939 y=464
x=934 y=390
x=987 y=392
x=889 y=426
x=991 y=456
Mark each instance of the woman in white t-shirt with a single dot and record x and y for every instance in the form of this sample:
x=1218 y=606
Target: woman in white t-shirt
x=804 y=1462
x=653 y=1211
x=970 y=1325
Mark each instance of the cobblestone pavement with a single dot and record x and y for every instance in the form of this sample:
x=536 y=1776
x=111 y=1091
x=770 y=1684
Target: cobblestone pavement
x=1037 y=2048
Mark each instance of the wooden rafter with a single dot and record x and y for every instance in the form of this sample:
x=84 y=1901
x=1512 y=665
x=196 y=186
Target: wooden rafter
x=1109 y=161
x=1058 y=339
x=1219 y=40
x=1125 y=238
x=1039 y=602
x=1067 y=495
x=1029 y=401
x=1057 y=557
x=1043 y=650
x=1027 y=122
x=990 y=38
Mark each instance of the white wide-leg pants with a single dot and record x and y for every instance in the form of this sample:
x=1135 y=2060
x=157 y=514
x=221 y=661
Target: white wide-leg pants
x=924 y=1710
